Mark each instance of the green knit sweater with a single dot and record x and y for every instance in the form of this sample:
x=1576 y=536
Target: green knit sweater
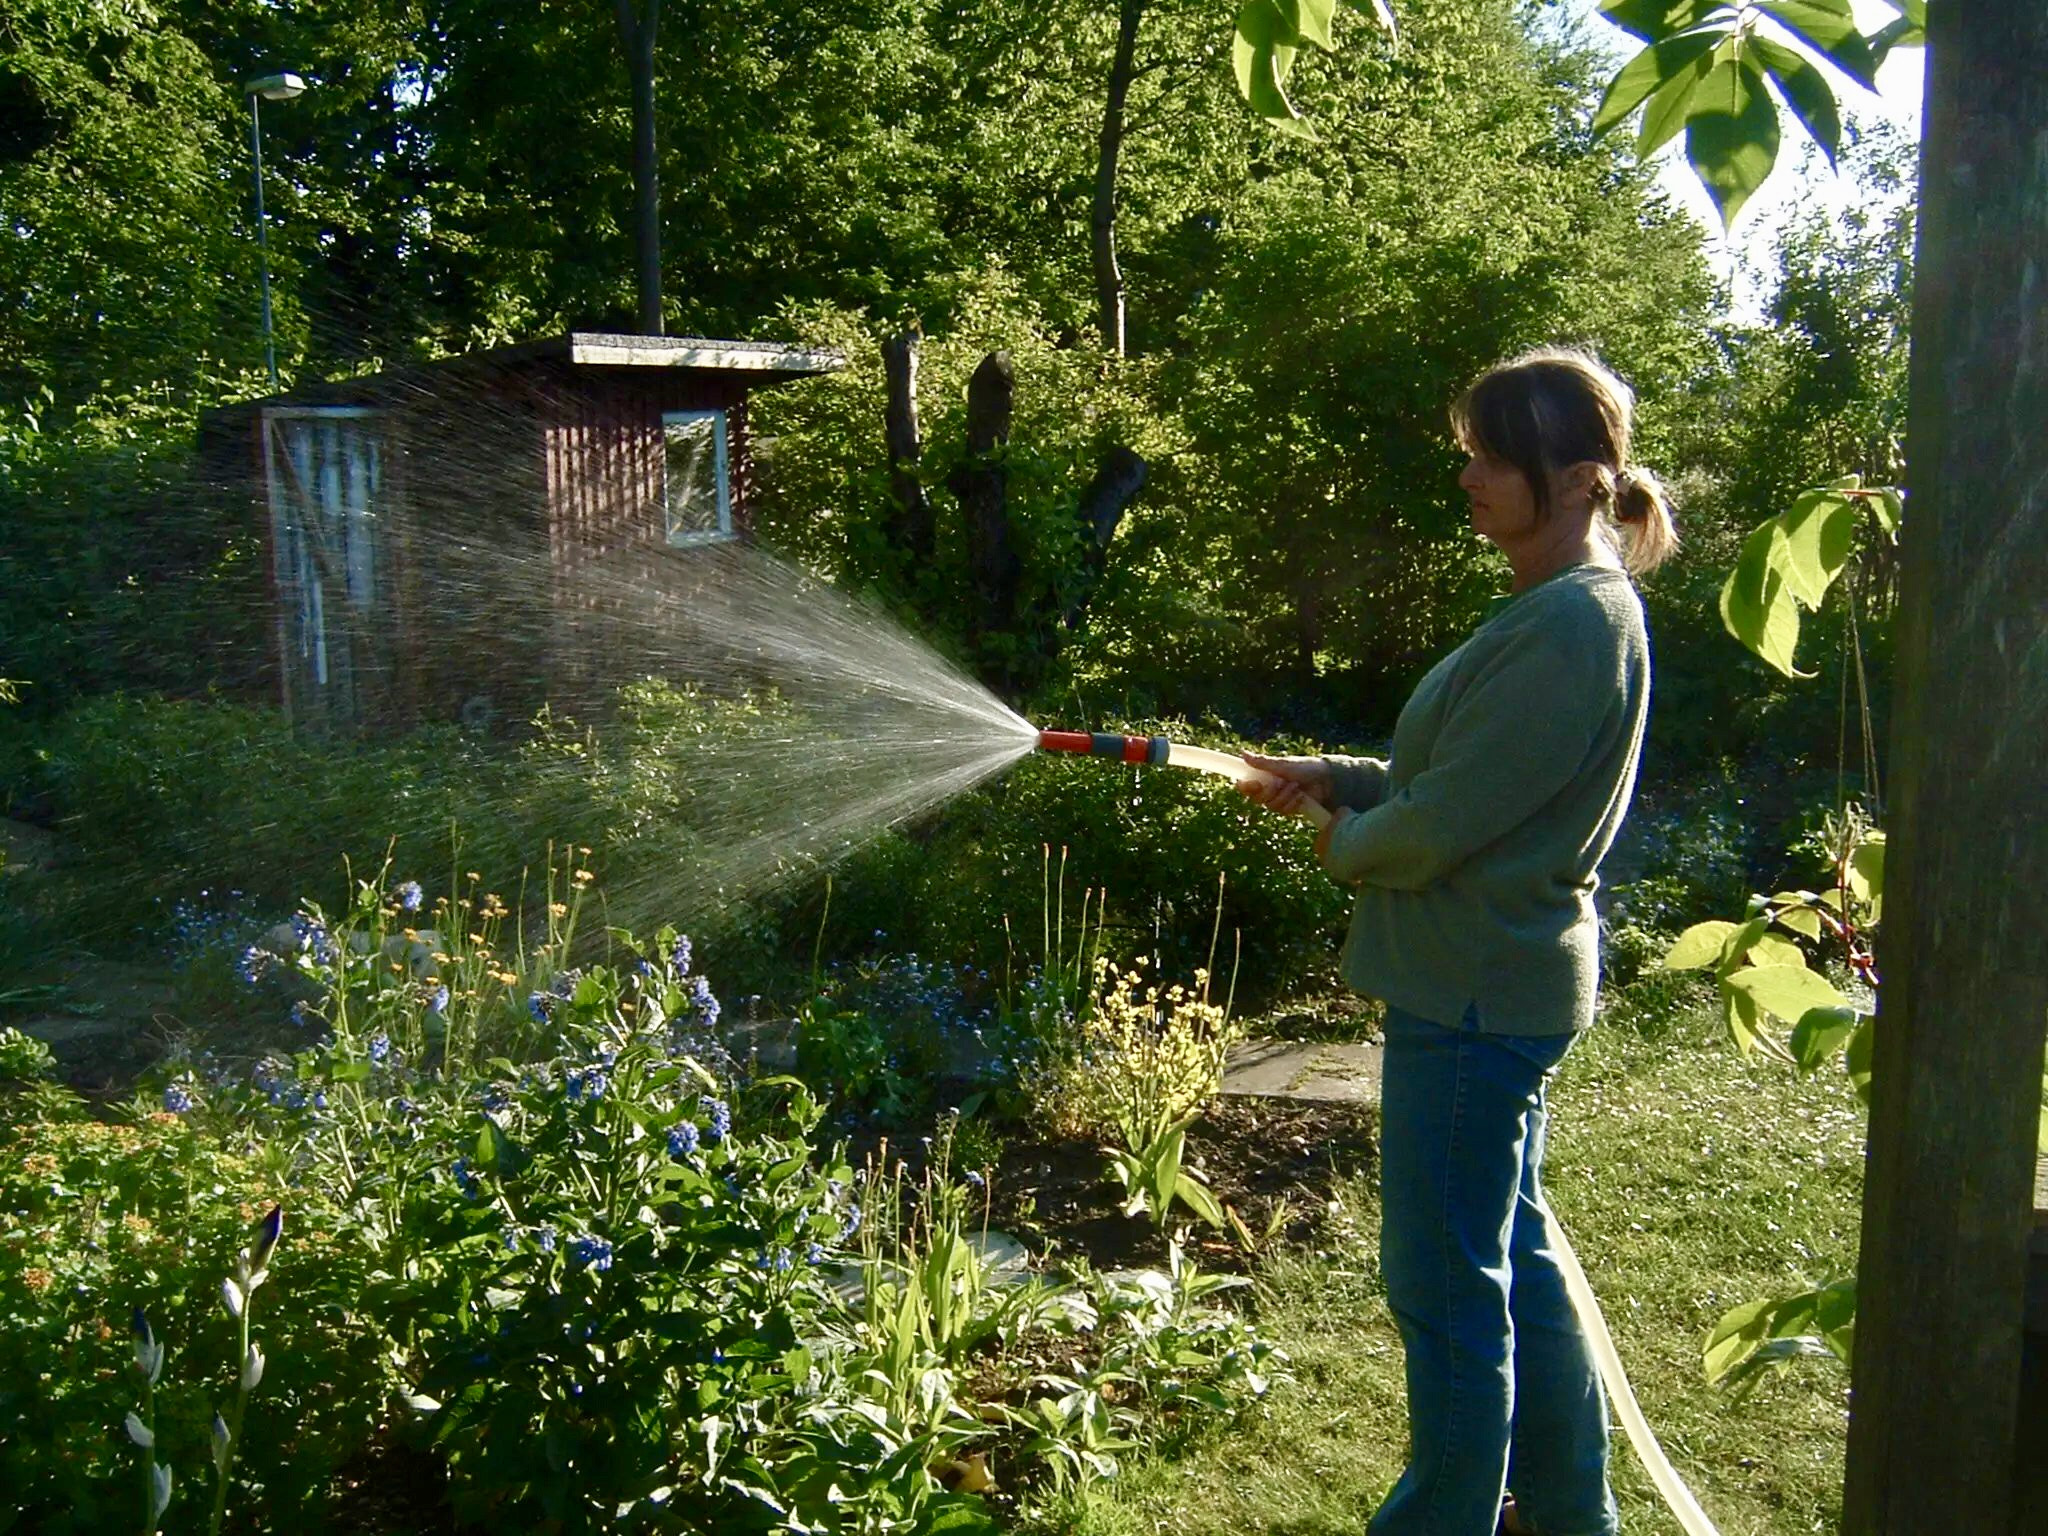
x=1476 y=847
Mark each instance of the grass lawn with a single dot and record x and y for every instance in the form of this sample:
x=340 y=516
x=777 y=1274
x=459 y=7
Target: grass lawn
x=1689 y=1179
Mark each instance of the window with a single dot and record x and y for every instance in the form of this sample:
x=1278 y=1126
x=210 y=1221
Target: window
x=698 y=496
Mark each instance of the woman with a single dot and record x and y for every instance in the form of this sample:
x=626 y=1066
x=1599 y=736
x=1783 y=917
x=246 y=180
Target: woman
x=1475 y=851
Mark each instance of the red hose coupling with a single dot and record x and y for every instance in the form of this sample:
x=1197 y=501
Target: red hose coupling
x=1129 y=749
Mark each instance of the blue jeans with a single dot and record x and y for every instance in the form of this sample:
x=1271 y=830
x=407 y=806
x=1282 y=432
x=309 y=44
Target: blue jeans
x=1502 y=1393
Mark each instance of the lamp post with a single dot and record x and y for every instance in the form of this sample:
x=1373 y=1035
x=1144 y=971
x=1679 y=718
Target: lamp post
x=281 y=87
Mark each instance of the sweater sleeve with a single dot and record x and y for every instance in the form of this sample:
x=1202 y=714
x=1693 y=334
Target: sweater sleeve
x=1359 y=783
x=1518 y=734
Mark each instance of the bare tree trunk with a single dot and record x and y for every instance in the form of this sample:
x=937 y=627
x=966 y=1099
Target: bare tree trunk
x=637 y=36
x=1116 y=484
x=1938 y=1439
x=982 y=485
x=1109 y=278
x=912 y=530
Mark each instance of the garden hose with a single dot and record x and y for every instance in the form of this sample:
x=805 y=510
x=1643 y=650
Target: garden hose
x=1158 y=749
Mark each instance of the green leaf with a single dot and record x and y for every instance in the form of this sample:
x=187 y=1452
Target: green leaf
x=1385 y=12
x=1195 y=1195
x=1775 y=949
x=1309 y=21
x=1642 y=76
x=1898 y=33
x=957 y=1514
x=1670 y=105
x=1786 y=991
x=1757 y=607
x=1856 y=1058
x=1740 y=1331
x=496 y=1152
x=1263 y=55
x=1819 y=1033
x=1164 y=1155
x=1655 y=20
x=1820 y=528
x=1731 y=134
x=1735 y=951
x=1828 y=26
x=1807 y=89
x=1795 y=911
x=1744 y=1024
x=1889 y=508
x=1700 y=945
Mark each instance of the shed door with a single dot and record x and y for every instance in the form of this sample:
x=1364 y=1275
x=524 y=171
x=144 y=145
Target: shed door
x=326 y=473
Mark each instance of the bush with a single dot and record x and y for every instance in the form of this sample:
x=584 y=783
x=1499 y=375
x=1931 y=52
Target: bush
x=604 y=1285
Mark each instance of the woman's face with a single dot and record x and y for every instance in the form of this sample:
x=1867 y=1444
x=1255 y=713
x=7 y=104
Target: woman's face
x=1503 y=504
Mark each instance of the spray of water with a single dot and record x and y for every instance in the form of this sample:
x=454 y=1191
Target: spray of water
x=866 y=725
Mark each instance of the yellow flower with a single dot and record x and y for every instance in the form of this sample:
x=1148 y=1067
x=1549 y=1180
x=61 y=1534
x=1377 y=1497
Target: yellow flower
x=557 y=909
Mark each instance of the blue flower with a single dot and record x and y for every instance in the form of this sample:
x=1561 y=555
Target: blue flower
x=409 y=895
x=815 y=1254
x=176 y=1099
x=540 y=1005
x=511 y=1242
x=497 y=1096
x=852 y=1222
x=679 y=957
x=301 y=1014
x=464 y=1179
x=546 y=1239
x=564 y=985
x=721 y=1120
x=254 y=963
x=975 y=1179
x=704 y=1002
x=590 y=1083
x=437 y=1000
x=380 y=1048
x=682 y=1140
x=592 y=1253
x=313 y=938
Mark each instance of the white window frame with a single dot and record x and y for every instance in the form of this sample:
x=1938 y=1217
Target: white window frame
x=684 y=538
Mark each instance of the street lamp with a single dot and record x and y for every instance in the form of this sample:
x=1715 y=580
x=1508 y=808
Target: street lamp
x=282 y=87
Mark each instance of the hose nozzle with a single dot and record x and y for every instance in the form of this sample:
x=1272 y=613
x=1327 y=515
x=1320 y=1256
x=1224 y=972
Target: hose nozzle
x=1125 y=749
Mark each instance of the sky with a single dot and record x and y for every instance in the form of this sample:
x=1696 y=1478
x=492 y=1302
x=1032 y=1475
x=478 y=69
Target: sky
x=1743 y=256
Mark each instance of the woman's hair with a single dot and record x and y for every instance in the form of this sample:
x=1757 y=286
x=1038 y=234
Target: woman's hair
x=1552 y=408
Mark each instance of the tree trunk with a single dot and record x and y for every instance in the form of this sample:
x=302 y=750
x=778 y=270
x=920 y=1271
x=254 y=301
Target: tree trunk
x=1947 y=1209
x=1116 y=484
x=1109 y=279
x=637 y=36
x=981 y=483
x=911 y=528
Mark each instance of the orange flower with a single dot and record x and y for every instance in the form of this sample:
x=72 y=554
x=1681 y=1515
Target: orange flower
x=38 y=1280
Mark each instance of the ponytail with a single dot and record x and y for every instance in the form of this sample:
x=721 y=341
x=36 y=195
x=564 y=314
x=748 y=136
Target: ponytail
x=1643 y=513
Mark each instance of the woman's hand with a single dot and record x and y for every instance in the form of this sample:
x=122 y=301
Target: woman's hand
x=1286 y=784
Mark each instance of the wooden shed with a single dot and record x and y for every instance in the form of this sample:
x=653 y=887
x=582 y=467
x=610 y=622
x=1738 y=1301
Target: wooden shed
x=425 y=528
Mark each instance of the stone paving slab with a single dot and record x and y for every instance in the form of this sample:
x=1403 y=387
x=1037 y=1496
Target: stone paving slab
x=1346 y=1073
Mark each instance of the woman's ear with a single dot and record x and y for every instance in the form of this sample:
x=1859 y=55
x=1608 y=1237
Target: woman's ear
x=1577 y=482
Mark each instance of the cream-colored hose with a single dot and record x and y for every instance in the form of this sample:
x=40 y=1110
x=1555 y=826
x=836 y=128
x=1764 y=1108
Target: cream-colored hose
x=1591 y=1323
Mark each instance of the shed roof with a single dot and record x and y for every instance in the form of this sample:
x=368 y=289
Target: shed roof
x=760 y=362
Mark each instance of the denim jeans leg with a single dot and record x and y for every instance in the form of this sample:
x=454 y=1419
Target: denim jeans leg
x=1557 y=1467
x=1456 y=1106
